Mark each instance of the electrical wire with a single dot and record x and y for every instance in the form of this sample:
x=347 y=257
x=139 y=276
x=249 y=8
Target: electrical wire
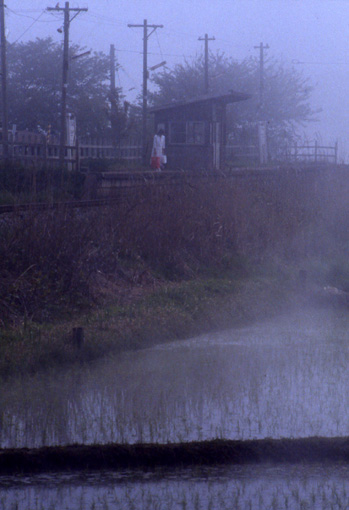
x=154 y=53
x=25 y=31
x=107 y=20
x=301 y=62
x=128 y=76
x=87 y=35
x=157 y=38
x=16 y=13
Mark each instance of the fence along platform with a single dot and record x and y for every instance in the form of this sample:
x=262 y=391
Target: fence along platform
x=43 y=154
x=40 y=153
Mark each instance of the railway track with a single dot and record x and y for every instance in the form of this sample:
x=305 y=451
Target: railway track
x=109 y=188
x=106 y=189
x=42 y=206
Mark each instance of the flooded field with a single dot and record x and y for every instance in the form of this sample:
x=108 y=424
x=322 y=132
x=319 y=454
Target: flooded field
x=286 y=377
x=283 y=378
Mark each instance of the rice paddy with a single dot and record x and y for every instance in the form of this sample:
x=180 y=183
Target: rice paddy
x=286 y=377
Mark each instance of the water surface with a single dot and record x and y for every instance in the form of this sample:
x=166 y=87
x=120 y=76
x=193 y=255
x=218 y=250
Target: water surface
x=286 y=377
x=262 y=487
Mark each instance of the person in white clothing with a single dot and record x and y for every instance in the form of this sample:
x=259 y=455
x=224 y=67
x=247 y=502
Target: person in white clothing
x=158 y=157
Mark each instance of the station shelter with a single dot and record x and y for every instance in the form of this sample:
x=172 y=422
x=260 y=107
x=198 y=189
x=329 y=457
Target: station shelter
x=195 y=130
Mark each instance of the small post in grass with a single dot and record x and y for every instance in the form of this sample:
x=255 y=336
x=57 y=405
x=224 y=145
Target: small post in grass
x=78 y=337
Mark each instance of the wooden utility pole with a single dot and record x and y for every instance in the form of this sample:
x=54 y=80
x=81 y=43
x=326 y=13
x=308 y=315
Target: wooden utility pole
x=206 y=39
x=261 y=71
x=146 y=36
x=113 y=97
x=112 y=70
x=66 y=10
x=4 y=83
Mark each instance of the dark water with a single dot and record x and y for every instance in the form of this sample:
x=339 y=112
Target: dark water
x=252 y=487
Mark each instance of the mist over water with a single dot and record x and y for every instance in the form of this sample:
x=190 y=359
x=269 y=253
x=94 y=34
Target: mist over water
x=286 y=377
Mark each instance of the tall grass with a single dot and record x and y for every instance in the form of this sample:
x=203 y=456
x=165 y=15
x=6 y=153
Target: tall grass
x=22 y=185
x=49 y=259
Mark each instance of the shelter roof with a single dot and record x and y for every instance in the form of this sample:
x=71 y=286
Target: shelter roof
x=230 y=97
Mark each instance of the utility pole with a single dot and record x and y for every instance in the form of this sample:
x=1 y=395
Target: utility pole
x=66 y=10
x=146 y=36
x=112 y=70
x=4 y=83
x=206 y=39
x=261 y=71
x=113 y=93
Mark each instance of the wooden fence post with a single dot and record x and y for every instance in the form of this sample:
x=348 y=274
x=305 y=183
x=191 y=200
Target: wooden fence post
x=78 y=337
x=77 y=155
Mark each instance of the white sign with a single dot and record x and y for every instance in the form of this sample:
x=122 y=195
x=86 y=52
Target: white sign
x=263 y=143
x=71 y=129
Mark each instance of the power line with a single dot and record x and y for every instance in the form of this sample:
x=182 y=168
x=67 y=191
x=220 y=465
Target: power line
x=26 y=10
x=301 y=62
x=18 y=13
x=122 y=50
x=25 y=31
x=29 y=17
x=107 y=20
x=157 y=38
x=128 y=75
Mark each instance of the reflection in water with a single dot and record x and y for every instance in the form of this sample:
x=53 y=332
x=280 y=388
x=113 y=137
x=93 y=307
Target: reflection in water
x=251 y=487
x=283 y=378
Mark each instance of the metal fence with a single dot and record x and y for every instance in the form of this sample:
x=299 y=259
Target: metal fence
x=311 y=153
x=304 y=153
x=241 y=154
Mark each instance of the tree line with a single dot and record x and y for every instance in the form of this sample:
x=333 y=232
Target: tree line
x=34 y=91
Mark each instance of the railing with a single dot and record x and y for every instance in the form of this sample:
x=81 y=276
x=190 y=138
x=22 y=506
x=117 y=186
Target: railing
x=129 y=153
x=296 y=153
x=241 y=153
x=311 y=153
x=47 y=154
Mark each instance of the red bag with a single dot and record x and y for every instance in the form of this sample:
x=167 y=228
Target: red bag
x=155 y=162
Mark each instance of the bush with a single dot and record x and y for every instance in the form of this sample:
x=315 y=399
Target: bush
x=19 y=184
x=49 y=259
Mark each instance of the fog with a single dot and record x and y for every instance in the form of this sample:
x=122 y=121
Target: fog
x=285 y=377
x=308 y=34
x=282 y=377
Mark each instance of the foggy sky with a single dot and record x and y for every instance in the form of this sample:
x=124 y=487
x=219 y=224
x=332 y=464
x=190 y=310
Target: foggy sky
x=313 y=35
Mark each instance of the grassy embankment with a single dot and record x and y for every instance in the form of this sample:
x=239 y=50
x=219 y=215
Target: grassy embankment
x=163 y=264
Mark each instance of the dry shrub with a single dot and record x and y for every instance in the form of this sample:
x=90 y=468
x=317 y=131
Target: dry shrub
x=48 y=258
x=178 y=226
